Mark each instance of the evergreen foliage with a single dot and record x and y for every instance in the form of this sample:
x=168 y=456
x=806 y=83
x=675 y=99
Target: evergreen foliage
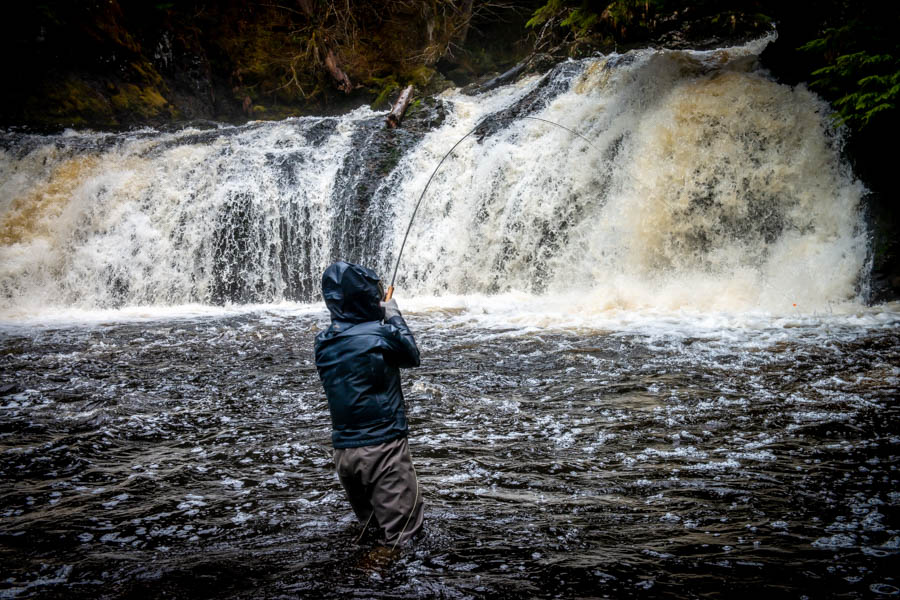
x=633 y=21
x=861 y=75
x=585 y=17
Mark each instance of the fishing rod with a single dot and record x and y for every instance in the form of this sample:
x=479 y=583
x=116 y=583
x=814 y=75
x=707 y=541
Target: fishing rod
x=390 y=290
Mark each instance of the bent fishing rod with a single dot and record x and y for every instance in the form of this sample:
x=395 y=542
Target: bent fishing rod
x=390 y=290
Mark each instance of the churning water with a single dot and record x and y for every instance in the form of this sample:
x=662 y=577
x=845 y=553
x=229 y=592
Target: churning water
x=648 y=368
x=706 y=185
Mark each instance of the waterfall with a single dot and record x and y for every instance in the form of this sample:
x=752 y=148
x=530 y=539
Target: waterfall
x=705 y=184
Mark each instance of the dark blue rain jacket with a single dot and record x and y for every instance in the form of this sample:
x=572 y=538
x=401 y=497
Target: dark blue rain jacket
x=359 y=359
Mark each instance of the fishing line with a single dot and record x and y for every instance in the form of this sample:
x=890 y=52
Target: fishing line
x=365 y=526
x=413 y=510
x=390 y=290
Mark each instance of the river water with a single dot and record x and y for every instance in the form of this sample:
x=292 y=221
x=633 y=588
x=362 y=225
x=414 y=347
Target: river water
x=649 y=365
x=679 y=456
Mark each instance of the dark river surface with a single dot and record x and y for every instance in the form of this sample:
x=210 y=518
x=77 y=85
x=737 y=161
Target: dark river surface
x=189 y=456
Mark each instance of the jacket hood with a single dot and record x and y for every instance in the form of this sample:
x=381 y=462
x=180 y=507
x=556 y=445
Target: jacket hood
x=351 y=293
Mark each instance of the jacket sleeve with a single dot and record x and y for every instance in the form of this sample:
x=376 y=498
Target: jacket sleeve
x=401 y=344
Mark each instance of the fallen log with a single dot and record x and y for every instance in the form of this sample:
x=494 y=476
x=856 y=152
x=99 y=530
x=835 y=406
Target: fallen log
x=396 y=115
x=340 y=78
x=505 y=77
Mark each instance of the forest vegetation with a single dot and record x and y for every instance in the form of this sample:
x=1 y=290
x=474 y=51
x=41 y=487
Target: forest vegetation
x=117 y=63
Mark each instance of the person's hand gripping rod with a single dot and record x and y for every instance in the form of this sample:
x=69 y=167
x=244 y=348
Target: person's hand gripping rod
x=390 y=305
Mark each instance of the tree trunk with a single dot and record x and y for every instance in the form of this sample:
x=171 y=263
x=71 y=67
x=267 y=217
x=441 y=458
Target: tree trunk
x=396 y=114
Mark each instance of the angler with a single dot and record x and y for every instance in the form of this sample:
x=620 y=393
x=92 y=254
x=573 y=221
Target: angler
x=359 y=358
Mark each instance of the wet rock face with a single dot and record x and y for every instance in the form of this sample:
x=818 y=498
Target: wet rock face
x=884 y=221
x=425 y=115
x=551 y=86
x=80 y=65
x=180 y=58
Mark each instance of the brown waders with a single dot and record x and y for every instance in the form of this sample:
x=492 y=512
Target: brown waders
x=382 y=488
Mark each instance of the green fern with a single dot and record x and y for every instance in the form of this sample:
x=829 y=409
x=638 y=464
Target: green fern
x=545 y=13
x=861 y=76
x=863 y=85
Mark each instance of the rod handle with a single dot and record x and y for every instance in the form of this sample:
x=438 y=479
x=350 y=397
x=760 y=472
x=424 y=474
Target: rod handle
x=389 y=293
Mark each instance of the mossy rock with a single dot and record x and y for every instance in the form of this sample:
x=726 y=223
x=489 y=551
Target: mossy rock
x=78 y=98
x=418 y=76
x=383 y=88
x=69 y=103
x=146 y=102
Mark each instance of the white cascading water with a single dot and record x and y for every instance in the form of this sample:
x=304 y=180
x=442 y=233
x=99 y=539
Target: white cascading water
x=94 y=220
x=705 y=185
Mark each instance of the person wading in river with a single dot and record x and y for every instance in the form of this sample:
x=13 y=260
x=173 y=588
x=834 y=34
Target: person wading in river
x=359 y=358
